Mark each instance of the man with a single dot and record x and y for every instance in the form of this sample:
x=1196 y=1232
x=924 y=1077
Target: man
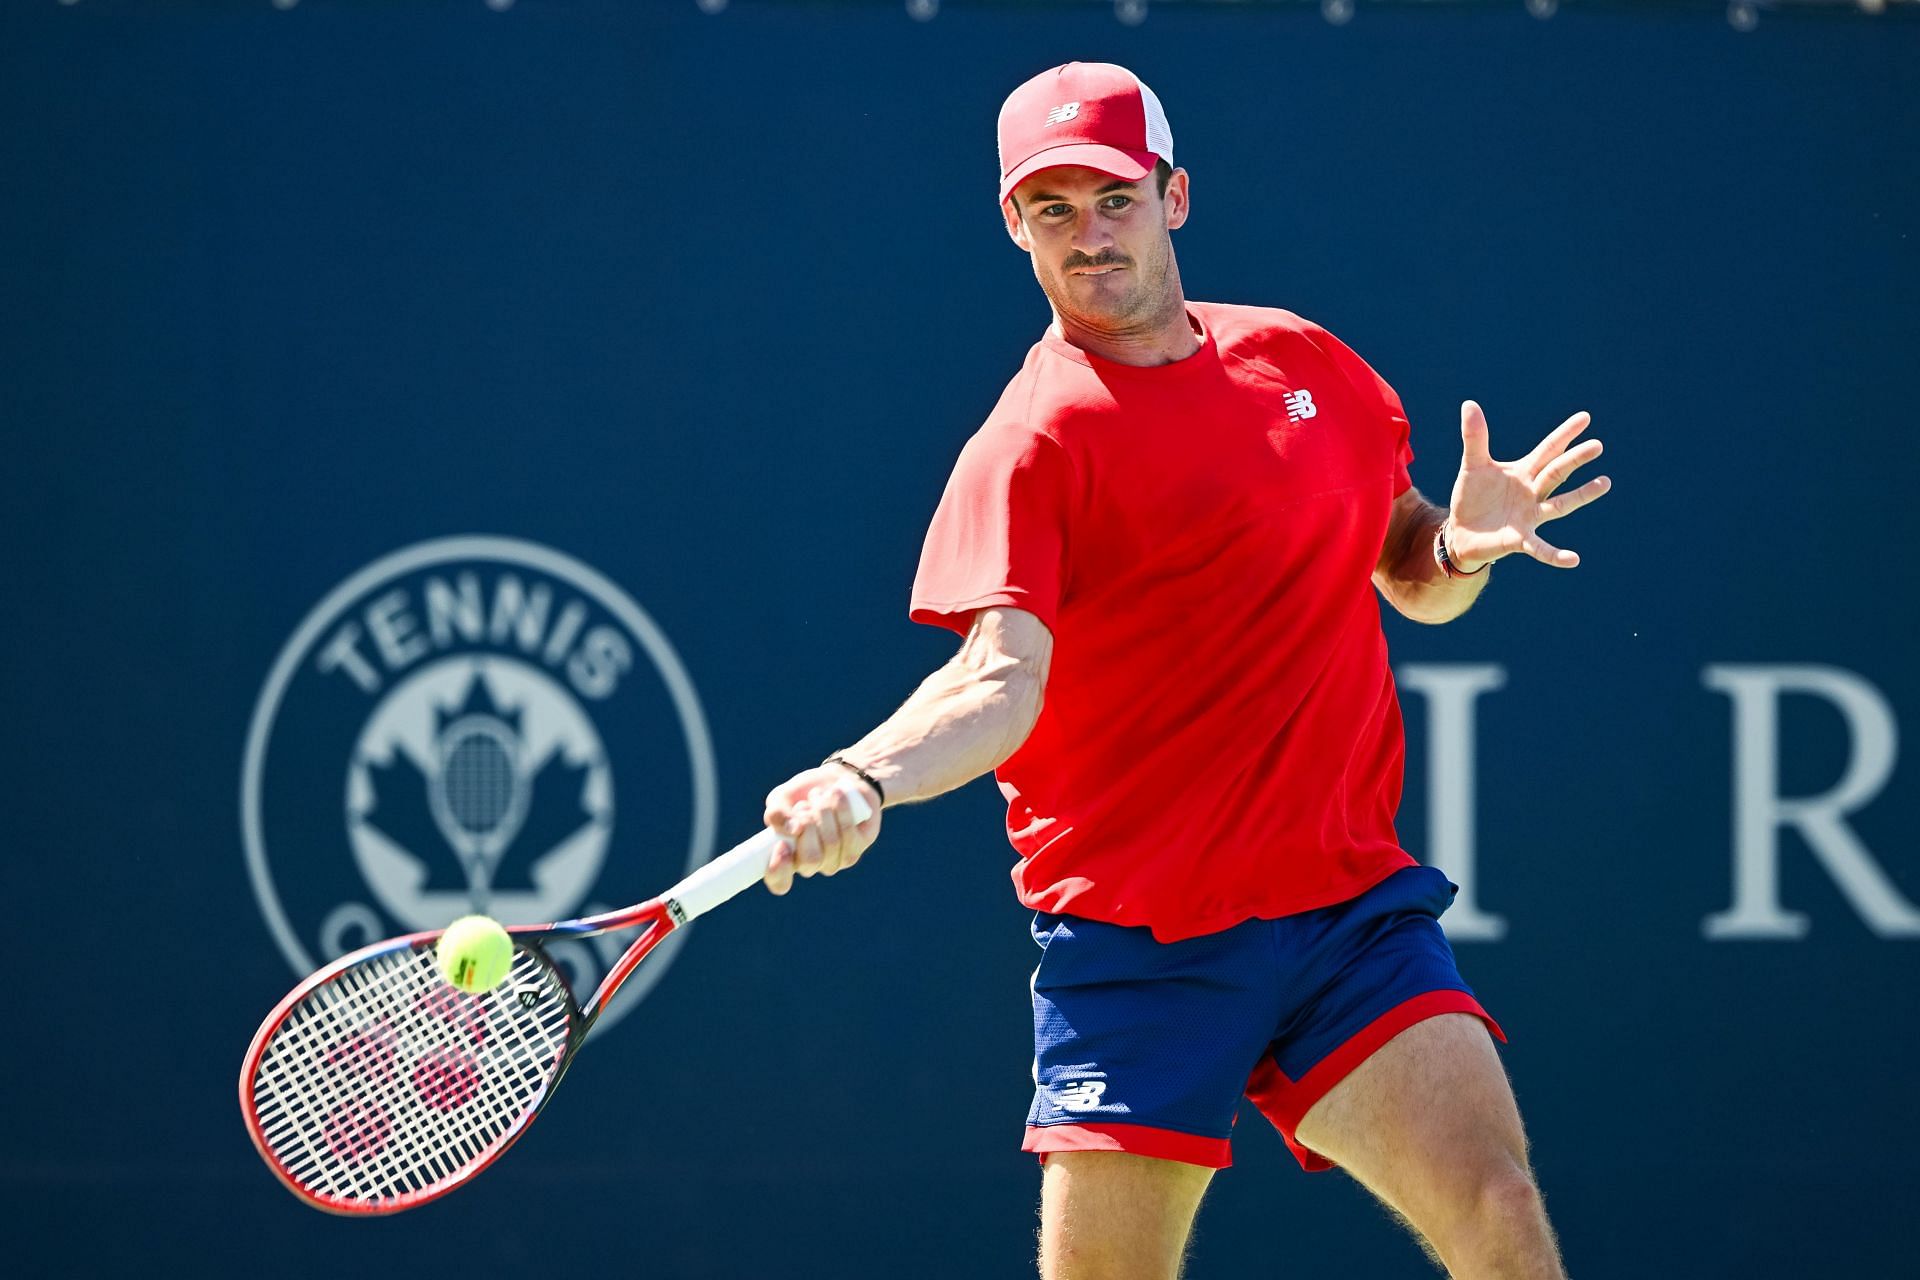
x=1162 y=551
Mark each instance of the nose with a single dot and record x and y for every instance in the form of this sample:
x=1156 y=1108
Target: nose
x=1091 y=234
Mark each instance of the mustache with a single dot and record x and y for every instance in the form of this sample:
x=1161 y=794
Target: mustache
x=1107 y=258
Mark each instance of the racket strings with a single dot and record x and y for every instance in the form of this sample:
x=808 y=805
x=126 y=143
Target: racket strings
x=385 y=1080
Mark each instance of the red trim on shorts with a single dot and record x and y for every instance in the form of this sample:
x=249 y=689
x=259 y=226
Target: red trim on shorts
x=1285 y=1102
x=1136 y=1139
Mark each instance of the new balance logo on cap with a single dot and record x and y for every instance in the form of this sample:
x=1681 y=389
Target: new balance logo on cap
x=1300 y=405
x=1082 y=1095
x=1092 y=115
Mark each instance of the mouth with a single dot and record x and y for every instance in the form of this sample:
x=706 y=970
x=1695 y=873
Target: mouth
x=1095 y=271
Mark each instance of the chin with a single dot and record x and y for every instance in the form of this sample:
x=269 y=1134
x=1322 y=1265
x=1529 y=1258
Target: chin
x=1095 y=304
x=1112 y=317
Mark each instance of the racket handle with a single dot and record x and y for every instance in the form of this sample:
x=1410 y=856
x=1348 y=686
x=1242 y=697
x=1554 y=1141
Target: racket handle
x=738 y=868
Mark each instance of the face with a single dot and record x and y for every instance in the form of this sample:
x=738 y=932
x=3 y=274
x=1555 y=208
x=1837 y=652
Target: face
x=1102 y=248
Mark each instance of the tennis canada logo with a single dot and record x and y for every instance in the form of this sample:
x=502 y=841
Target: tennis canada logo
x=448 y=732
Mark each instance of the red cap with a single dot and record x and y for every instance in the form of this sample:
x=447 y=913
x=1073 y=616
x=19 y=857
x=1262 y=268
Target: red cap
x=1092 y=114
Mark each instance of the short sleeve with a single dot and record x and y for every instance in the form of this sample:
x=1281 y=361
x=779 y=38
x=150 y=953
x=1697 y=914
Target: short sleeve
x=999 y=536
x=1376 y=393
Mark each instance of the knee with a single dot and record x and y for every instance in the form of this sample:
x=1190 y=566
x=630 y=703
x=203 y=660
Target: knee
x=1506 y=1199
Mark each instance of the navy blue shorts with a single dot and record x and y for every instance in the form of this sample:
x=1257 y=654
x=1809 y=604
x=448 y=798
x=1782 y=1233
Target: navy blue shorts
x=1148 y=1046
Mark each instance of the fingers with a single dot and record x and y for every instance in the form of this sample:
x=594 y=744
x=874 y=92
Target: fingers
x=1473 y=435
x=1546 y=553
x=808 y=852
x=1556 y=442
x=1555 y=473
x=853 y=839
x=779 y=875
x=788 y=817
x=827 y=827
x=815 y=817
x=1568 y=503
x=780 y=818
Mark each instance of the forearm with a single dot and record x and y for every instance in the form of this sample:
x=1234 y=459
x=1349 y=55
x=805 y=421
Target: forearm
x=963 y=721
x=1412 y=580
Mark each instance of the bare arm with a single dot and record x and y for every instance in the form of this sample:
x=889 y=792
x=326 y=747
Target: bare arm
x=963 y=721
x=968 y=716
x=1409 y=576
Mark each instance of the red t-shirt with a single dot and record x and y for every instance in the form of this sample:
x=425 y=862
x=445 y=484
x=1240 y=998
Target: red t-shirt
x=1220 y=740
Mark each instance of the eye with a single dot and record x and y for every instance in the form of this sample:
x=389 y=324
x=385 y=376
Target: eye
x=1117 y=202
x=1055 y=211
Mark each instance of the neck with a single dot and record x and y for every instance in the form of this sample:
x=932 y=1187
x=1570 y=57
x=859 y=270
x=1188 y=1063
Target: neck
x=1162 y=340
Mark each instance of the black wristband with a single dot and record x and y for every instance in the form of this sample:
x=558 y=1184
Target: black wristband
x=859 y=773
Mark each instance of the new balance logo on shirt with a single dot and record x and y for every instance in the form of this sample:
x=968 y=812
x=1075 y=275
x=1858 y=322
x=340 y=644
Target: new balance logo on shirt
x=1082 y=1095
x=1300 y=405
x=1063 y=113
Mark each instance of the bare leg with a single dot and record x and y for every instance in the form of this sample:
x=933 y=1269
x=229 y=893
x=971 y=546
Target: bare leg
x=1428 y=1124
x=1108 y=1215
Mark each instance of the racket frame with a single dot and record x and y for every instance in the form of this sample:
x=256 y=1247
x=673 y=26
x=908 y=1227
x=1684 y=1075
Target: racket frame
x=703 y=889
x=660 y=916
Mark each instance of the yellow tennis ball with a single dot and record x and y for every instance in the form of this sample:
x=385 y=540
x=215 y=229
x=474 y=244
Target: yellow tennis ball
x=474 y=953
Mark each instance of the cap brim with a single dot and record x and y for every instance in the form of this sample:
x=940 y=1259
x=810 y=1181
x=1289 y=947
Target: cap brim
x=1128 y=165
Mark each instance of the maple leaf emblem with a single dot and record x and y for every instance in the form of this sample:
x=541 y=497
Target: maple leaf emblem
x=480 y=817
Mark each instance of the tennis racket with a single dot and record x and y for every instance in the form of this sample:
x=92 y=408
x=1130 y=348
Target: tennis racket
x=376 y=1085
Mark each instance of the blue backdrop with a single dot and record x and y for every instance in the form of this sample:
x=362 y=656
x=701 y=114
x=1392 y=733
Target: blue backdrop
x=707 y=304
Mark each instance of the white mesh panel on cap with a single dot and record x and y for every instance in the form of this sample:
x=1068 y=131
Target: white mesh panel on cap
x=1159 y=132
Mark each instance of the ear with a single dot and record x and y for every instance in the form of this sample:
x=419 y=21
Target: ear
x=1016 y=225
x=1176 y=200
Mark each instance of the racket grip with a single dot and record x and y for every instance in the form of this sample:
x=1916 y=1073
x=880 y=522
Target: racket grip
x=738 y=868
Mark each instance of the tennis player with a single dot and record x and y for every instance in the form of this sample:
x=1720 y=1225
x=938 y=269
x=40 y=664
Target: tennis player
x=1162 y=551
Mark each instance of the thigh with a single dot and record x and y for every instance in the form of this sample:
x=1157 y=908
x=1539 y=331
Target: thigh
x=1425 y=1123
x=1368 y=970
x=1108 y=1215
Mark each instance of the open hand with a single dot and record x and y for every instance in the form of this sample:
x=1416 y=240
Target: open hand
x=1498 y=507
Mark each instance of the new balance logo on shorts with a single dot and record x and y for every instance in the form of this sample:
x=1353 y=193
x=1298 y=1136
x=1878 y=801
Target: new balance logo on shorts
x=1063 y=113
x=1082 y=1095
x=1300 y=405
